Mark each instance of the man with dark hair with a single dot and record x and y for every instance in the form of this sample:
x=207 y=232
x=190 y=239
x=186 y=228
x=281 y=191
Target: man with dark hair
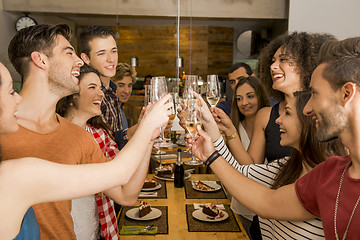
x=236 y=71
x=98 y=49
x=49 y=66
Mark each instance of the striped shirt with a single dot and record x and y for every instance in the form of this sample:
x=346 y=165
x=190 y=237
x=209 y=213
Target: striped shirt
x=265 y=174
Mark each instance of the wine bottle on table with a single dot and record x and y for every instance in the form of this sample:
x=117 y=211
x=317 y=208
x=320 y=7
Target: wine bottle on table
x=179 y=171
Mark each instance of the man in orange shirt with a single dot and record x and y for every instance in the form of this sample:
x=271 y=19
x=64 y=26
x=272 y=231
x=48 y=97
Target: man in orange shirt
x=49 y=68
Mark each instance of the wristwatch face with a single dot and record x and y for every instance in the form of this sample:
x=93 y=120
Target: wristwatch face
x=24 y=22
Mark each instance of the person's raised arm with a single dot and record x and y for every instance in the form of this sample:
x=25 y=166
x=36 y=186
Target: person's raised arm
x=281 y=204
x=215 y=120
x=127 y=194
x=44 y=181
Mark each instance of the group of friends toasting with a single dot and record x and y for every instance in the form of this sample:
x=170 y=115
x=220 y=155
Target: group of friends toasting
x=288 y=152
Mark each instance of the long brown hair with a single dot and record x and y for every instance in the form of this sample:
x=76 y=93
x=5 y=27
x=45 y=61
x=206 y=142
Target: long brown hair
x=235 y=115
x=66 y=103
x=312 y=152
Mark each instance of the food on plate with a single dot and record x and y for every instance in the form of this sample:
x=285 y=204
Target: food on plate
x=212 y=211
x=202 y=186
x=150 y=183
x=144 y=209
x=165 y=171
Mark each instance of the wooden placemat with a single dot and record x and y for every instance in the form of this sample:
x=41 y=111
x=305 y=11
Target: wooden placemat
x=228 y=225
x=191 y=193
x=162 y=193
x=161 y=222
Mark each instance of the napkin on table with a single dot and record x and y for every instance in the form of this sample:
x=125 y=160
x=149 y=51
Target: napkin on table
x=148 y=194
x=165 y=156
x=136 y=230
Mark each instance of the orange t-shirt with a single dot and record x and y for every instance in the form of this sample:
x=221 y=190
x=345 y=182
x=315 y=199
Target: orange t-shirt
x=68 y=144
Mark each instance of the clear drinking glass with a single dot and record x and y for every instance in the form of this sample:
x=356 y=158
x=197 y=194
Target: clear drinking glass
x=147 y=95
x=158 y=90
x=191 y=111
x=213 y=90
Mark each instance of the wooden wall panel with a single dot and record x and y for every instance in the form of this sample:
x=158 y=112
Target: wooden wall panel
x=155 y=47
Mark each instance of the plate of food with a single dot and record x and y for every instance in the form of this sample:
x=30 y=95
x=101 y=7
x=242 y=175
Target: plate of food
x=205 y=186
x=168 y=175
x=150 y=185
x=143 y=212
x=210 y=213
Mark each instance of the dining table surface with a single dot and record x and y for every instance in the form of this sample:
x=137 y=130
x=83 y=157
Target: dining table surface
x=177 y=220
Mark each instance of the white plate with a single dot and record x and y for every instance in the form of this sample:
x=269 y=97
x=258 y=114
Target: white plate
x=134 y=214
x=216 y=187
x=152 y=189
x=187 y=175
x=199 y=215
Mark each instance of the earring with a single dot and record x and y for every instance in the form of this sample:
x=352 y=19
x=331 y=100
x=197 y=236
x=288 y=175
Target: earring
x=71 y=104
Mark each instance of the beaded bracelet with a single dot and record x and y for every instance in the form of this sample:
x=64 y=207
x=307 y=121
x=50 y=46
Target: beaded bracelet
x=212 y=158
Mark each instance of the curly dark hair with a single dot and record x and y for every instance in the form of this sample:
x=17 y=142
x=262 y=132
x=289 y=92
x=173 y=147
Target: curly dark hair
x=302 y=48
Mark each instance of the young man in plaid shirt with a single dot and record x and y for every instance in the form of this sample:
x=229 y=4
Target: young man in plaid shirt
x=98 y=49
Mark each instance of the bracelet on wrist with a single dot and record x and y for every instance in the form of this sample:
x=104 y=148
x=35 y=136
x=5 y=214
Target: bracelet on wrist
x=215 y=155
x=232 y=136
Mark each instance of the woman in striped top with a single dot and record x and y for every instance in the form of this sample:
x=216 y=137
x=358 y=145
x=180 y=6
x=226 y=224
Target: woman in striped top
x=298 y=131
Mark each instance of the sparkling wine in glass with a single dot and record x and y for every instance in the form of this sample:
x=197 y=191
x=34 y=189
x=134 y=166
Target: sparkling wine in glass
x=191 y=111
x=213 y=90
x=158 y=90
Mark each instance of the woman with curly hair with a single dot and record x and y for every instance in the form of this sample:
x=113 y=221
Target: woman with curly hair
x=286 y=65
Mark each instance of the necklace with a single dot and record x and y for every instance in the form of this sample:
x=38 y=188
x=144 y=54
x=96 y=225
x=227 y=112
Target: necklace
x=336 y=207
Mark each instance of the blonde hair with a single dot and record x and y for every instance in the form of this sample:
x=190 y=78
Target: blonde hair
x=123 y=70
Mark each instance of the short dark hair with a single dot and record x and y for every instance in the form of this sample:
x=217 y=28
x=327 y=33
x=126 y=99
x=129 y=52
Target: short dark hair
x=238 y=65
x=89 y=33
x=301 y=48
x=147 y=76
x=342 y=59
x=39 y=38
x=236 y=116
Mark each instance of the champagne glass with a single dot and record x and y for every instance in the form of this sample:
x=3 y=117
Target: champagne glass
x=213 y=90
x=173 y=89
x=172 y=115
x=158 y=90
x=147 y=95
x=192 y=111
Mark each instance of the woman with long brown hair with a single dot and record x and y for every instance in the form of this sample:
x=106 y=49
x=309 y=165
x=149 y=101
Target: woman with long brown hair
x=297 y=131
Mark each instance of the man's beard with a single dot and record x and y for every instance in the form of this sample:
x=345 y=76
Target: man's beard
x=333 y=123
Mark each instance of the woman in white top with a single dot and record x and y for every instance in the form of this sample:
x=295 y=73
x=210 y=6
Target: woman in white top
x=249 y=97
x=298 y=131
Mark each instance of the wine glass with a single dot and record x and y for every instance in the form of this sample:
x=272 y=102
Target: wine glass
x=158 y=90
x=213 y=90
x=191 y=111
x=147 y=95
x=173 y=89
x=172 y=116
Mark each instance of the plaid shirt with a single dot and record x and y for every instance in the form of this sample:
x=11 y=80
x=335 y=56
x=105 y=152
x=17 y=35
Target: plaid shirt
x=105 y=205
x=110 y=107
x=111 y=113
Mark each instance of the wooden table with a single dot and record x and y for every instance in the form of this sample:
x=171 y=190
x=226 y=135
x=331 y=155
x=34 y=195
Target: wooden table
x=177 y=215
